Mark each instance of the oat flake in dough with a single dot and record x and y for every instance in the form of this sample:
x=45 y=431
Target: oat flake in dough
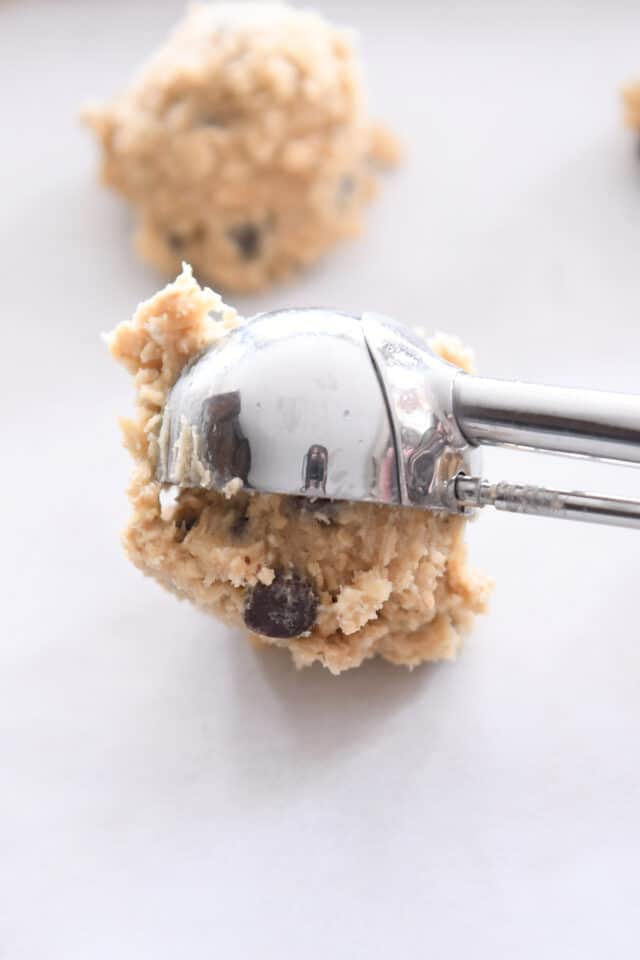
x=244 y=145
x=351 y=580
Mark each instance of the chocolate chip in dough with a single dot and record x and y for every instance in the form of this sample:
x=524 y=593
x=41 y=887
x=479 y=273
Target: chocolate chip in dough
x=323 y=511
x=248 y=239
x=239 y=526
x=283 y=609
x=184 y=524
x=180 y=241
x=177 y=242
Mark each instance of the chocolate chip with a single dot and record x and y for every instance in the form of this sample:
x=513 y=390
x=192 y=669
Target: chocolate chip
x=283 y=609
x=180 y=241
x=184 y=524
x=293 y=506
x=323 y=511
x=248 y=239
x=239 y=525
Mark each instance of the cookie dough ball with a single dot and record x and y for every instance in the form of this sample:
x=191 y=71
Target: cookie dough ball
x=631 y=104
x=335 y=582
x=244 y=144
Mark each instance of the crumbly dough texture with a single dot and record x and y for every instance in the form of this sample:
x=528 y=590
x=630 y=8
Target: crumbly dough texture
x=244 y=144
x=376 y=580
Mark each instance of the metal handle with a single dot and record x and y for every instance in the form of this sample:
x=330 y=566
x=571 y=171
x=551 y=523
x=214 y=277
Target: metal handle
x=587 y=423
x=472 y=492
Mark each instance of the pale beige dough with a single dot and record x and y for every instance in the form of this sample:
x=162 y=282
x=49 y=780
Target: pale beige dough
x=631 y=104
x=385 y=581
x=244 y=145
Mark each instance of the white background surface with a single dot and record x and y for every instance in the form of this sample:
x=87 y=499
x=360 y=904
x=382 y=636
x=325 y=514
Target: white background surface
x=165 y=791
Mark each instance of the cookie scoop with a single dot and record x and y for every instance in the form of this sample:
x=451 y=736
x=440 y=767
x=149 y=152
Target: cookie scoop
x=319 y=404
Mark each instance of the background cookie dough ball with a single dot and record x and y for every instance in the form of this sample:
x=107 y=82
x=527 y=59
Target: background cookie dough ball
x=244 y=144
x=631 y=103
x=335 y=582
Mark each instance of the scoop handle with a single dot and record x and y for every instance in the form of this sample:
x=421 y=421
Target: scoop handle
x=473 y=492
x=587 y=423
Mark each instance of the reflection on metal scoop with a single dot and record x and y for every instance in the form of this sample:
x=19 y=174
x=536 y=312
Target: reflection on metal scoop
x=326 y=405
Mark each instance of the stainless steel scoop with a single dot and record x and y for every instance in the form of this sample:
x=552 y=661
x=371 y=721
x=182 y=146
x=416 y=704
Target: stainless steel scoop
x=325 y=405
